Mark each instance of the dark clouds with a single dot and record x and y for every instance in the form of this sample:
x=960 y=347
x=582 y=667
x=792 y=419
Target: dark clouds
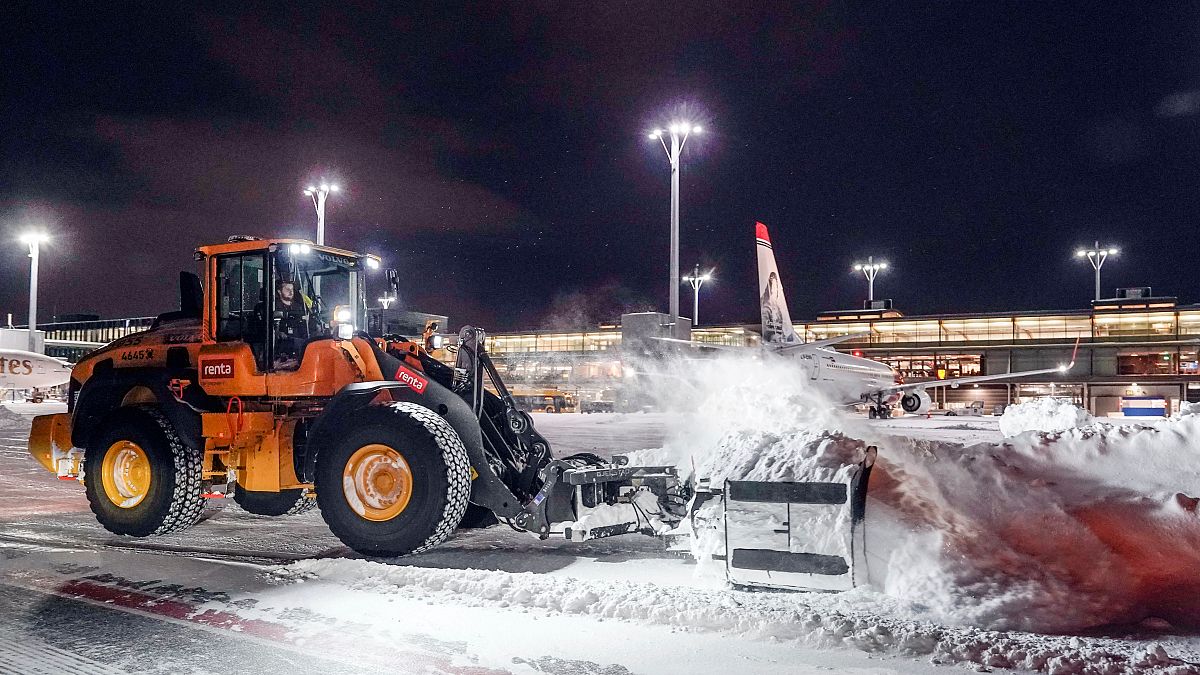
x=495 y=152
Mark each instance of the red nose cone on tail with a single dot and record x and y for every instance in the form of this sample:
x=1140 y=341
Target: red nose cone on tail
x=760 y=232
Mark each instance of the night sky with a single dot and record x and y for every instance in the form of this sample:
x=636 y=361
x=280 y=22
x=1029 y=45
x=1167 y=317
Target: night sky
x=497 y=153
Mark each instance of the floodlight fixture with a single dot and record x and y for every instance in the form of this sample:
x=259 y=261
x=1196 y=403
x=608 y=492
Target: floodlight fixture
x=1096 y=256
x=319 y=194
x=870 y=269
x=679 y=132
x=696 y=280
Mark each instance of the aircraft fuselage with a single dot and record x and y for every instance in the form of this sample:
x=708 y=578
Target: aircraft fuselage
x=844 y=377
x=20 y=369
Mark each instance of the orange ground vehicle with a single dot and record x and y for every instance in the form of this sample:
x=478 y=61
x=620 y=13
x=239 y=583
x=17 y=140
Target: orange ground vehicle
x=544 y=400
x=262 y=387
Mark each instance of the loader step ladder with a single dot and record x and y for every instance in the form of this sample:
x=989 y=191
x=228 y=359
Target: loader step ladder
x=798 y=535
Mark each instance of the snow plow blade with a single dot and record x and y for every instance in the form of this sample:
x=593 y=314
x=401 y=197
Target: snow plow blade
x=815 y=540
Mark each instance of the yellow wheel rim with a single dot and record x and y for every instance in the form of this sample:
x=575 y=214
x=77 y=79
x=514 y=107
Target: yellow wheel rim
x=126 y=474
x=378 y=482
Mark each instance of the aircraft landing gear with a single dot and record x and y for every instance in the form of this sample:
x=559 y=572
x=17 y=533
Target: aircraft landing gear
x=878 y=409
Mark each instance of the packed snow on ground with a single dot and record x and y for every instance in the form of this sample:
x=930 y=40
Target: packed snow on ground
x=1043 y=414
x=858 y=619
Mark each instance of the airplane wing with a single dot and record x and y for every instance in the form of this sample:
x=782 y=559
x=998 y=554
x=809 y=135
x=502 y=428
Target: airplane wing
x=819 y=344
x=975 y=379
x=702 y=345
x=774 y=347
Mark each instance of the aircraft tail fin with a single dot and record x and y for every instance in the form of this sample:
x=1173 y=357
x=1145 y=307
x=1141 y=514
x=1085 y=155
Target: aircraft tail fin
x=776 y=322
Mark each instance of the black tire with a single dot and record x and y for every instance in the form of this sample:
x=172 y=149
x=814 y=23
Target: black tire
x=872 y=413
x=282 y=503
x=173 y=501
x=477 y=517
x=441 y=480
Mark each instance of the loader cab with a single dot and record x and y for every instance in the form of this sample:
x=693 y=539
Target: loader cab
x=269 y=302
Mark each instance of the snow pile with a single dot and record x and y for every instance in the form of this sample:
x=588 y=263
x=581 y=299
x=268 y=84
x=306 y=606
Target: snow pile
x=10 y=419
x=1187 y=408
x=1048 y=531
x=1042 y=414
x=856 y=619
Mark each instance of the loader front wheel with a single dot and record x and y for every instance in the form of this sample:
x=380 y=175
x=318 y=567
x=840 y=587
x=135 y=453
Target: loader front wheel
x=282 y=503
x=140 y=477
x=396 y=482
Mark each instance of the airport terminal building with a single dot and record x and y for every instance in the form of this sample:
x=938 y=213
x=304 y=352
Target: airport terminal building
x=1133 y=353
x=1137 y=354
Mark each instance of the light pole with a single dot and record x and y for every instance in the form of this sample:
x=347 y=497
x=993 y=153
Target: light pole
x=679 y=132
x=696 y=280
x=870 y=269
x=318 y=193
x=1096 y=256
x=33 y=240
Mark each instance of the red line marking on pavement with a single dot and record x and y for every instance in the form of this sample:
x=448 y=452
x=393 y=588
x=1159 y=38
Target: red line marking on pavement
x=330 y=642
x=173 y=608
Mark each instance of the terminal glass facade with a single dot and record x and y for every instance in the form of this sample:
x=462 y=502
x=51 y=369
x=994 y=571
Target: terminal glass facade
x=71 y=340
x=1122 y=351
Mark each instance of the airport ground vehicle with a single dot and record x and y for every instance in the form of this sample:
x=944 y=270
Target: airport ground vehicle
x=597 y=407
x=261 y=387
x=544 y=400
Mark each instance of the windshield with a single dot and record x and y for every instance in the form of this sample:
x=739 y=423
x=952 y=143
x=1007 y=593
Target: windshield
x=324 y=288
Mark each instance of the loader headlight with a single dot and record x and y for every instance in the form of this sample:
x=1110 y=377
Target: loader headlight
x=437 y=341
x=342 y=316
x=345 y=331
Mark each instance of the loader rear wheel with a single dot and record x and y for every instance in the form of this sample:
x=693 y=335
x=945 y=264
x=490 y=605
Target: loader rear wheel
x=396 y=482
x=140 y=477
x=282 y=503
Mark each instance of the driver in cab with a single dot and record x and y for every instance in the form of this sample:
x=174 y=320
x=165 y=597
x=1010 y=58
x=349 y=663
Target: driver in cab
x=291 y=325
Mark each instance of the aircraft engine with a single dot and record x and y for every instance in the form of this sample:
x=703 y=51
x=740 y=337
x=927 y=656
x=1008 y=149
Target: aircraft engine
x=916 y=402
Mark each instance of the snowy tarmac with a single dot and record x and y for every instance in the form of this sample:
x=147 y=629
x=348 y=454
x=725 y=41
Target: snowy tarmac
x=242 y=593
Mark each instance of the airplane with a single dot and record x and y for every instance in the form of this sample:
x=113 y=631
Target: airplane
x=844 y=378
x=20 y=369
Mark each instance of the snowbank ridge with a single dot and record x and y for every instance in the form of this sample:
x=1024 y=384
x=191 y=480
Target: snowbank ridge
x=1042 y=414
x=816 y=620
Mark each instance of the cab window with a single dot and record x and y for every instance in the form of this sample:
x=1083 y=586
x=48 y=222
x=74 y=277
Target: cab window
x=240 y=301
